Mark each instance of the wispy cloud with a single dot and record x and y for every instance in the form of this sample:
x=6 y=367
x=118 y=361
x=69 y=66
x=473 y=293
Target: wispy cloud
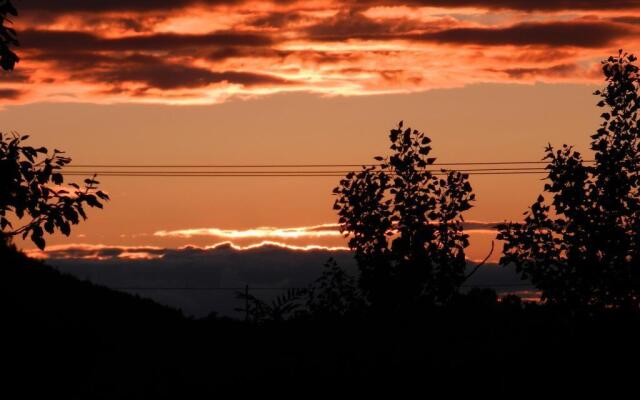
x=315 y=231
x=305 y=232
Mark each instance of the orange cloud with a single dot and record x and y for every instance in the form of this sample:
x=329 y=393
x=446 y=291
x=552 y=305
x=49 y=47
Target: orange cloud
x=316 y=231
x=212 y=51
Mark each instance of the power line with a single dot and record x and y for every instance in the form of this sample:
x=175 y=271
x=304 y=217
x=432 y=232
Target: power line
x=294 y=165
x=291 y=170
x=293 y=173
x=297 y=172
x=240 y=175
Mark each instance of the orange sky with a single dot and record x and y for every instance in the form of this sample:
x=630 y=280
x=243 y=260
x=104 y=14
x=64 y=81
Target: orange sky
x=235 y=82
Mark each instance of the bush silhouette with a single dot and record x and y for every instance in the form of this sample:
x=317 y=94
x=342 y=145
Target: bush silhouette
x=334 y=295
x=405 y=224
x=32 y=186
x=285 y=306
x=583 y=249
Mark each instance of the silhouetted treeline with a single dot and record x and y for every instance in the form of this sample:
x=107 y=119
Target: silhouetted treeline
x=65 y=337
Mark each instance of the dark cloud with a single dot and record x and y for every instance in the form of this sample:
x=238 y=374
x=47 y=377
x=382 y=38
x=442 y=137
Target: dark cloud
x=157 y=73
x=62 y=6
x=114 y=5
x=20 y=76
x=570 y=33
x=354 y=25
x=11 y=94
x=276 y=19
x=523 y=5
x=81 y=41
x=627 y=20
x=556 y=71
x=227 y=52
x=578 y=33
x=87 y=57
x=223 y=267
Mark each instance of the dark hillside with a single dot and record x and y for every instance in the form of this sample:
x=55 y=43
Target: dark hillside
x=62 y=336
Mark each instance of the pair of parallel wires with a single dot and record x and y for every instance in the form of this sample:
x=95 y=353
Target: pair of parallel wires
x=496 y=168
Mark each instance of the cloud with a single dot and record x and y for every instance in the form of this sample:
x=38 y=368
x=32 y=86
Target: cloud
x=143 y=59
x=579 y=33
x=76 y=41
x=524 y=5
x=156 y=73
x=166 y=5
x=217 y=270
x=276 y=19
x=106 y=252
x=308 y=232
x=627 y=19
x=116 y=5
x=204 y=52
x=97 y=252
x=11 y=94
x=553 y=34
x=315 y=231
x=561 y=70
x=355 y=25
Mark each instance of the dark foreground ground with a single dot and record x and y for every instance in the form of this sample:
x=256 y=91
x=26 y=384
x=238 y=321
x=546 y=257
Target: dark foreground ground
x=63 y=337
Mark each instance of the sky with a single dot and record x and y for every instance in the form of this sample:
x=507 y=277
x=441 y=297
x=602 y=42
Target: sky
x=291 y=82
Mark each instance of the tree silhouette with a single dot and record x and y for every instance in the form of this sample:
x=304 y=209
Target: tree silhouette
x=584 y=248
x=8 y=39
x=285 y=306
x=32 y=186
x=31 y=182
x=405 y=224
x=334 y=294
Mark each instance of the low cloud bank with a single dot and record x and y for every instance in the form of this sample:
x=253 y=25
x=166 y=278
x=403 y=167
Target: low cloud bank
x=204 y=280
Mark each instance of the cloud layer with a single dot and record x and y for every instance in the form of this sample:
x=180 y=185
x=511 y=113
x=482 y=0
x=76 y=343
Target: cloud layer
x=207 y=51
x=204 y=279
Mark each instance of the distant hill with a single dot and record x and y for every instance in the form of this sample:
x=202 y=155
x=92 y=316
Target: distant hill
x=62 y=335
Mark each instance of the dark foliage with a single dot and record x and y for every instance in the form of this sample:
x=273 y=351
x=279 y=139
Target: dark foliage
x=32 y=186
x=8 y=39
x=405 y=224
x=583 y=249
x=335 y=295
x=284 y=306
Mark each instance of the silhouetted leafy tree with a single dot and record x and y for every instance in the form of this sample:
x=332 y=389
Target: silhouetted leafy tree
x=8 y=39
x=405 y=224
x=31 y=179
x=584 y=248
x=32 y=186
x=334 y=295
x=285 y=306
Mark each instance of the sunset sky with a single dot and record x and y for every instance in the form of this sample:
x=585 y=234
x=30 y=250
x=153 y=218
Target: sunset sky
x=299 y=82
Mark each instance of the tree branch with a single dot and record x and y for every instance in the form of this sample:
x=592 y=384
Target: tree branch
x=493 y=245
